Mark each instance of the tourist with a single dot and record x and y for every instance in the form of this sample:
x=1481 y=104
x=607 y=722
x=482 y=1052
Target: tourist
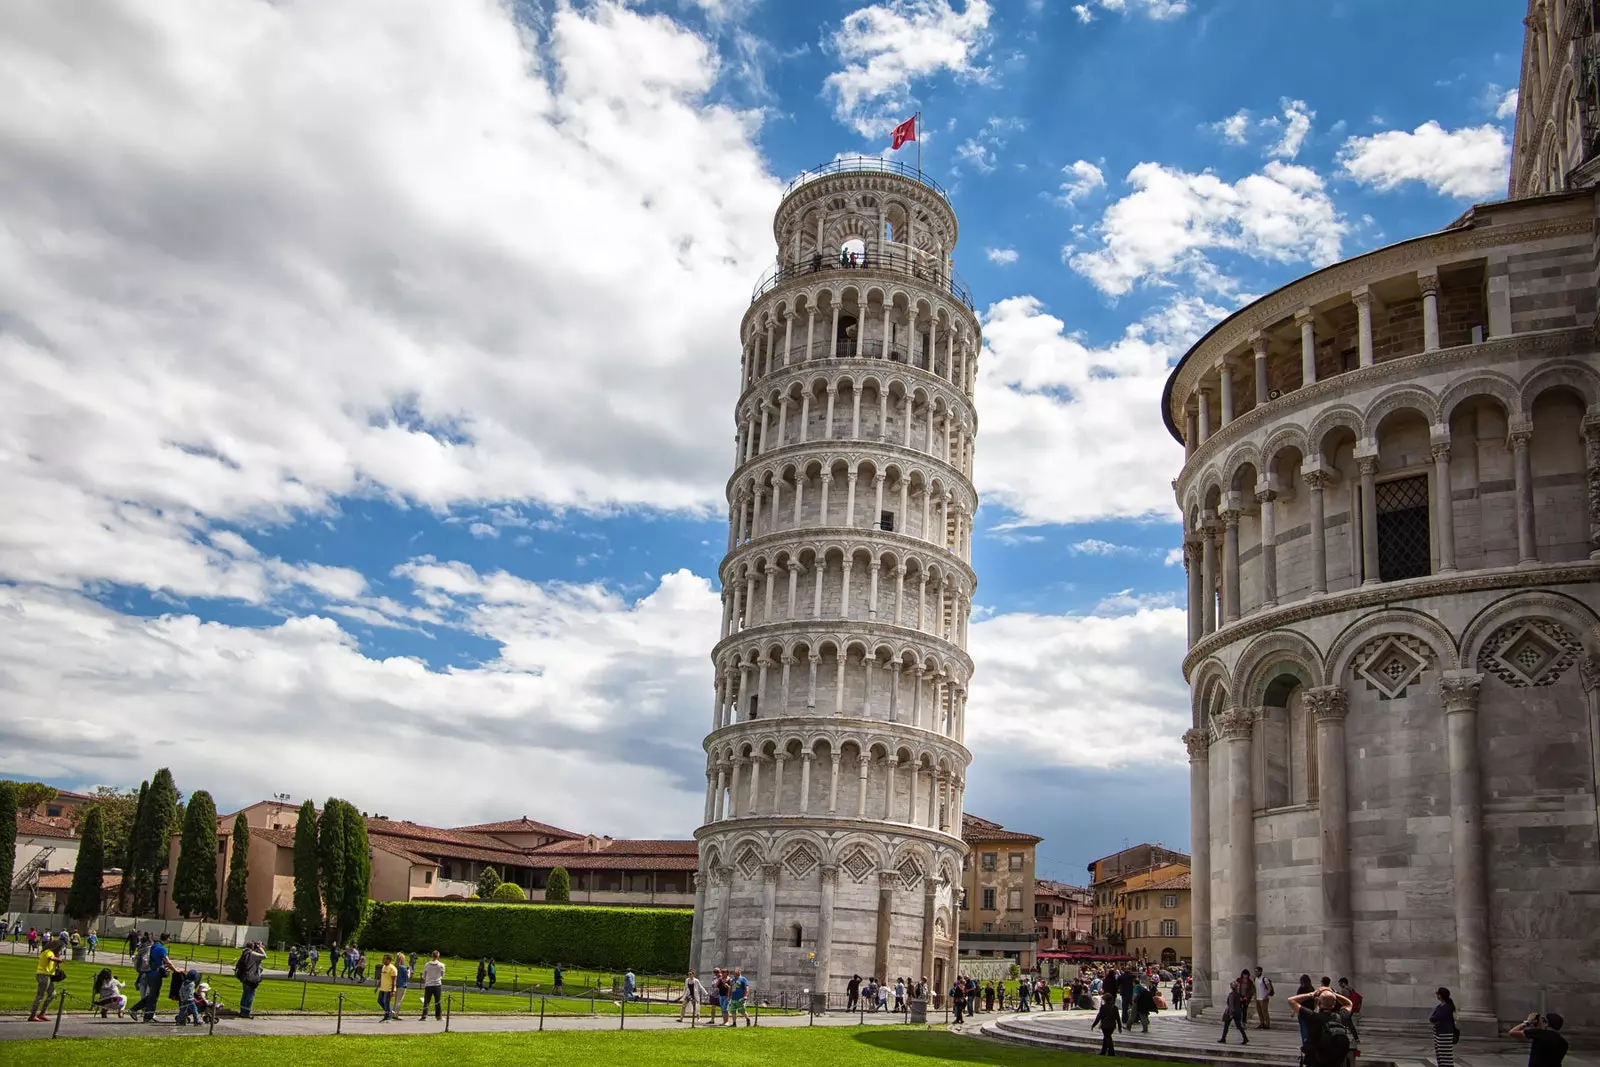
x=988 y=995
x=1329 y=1031
x=334 y=956
x=388 y=978
x=852 y=990
x=958 y=998
x=1108 y=1022
x=205 y=1002
x=1300 y=1009
x=691 y=997
x=402 y=978
x=1125 y=986
x=630 y=985
x=1024 y=994
x=294 y=960
x=723 y=988
x=1177 y=994
x=1233 y=1012
x=883 y=995
x=483 y=971
x=432 y=986
x=1041 y=992
x=1264 y=991
x=558 y=979
x=739 y=992
x=248 y=971
x=1546 y=1046
x=93 y=941
x=33 y=939
x=133 y=942
x=1144 y=1005
x=899 y=994
x=974 y=996
x=1445 y=1031
x=494 y=975
x=44 y=976
x=188 y=1010
x=1348 y=991
x=107 y=993
x=157 y=963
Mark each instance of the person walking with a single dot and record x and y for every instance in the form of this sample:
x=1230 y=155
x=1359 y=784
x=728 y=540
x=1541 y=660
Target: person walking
x=852 y=991
x=558 y=979
x=248 y=971
x=44 y=977
x=1263 y=991
x=388 y=979
x=483 y=971
x=958 y=998
x=1144 y=1005
x=739 y=993
x=494 y=975
x=432 y=986
x=402 y=979
x=630 y=986
x=723 y=986
x=899 y=995
x=1107 y=1021
x=1445 y=1031
x=157 y=963
x=1233 y=1011
x=691 y=997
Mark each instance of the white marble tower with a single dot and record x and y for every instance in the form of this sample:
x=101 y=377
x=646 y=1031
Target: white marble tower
x=835 y=765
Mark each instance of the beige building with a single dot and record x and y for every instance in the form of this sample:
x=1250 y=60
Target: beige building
x=998 y=888
x=1063 y=917
x=1157 y=924
x=1391 y=498
x=1109 y=878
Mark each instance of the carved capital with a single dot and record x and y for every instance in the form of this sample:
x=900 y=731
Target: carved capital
x=1259 y=345
x=1230 y=517
x=1361 y=296
x=1589 y=672
x=1199 y=744
x=1303 y=316
x=699 y=881
x=1328 y=703
x=1460 y=691
x=1428 y=281
x=888 y=879
x=1519 y=436
x=1235 y=724
x=1367 y=465
x=1266 y=496
x=769 y=872
x=830 y=874
x=1440 y=450
x=1315 y=481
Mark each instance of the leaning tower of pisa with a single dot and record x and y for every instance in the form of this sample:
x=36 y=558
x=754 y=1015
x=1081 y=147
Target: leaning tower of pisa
x=835 y=766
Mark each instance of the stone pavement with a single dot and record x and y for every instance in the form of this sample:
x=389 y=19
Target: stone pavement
x=1175 y=1038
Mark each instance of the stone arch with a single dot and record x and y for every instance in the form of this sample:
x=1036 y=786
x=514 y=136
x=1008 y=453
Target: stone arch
x=1244 y=454
x=1208 y=677
x=1326 y=421
x=1400 y=398
x=1384 y=621
x=1579 y=377
x=1281 y=438
x=1269 y=656
x=1541 y=603
x=1486 y=383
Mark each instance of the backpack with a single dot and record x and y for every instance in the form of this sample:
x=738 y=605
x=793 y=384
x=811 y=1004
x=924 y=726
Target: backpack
x=241 y=968
x=1333 y=1044
x=141 y=959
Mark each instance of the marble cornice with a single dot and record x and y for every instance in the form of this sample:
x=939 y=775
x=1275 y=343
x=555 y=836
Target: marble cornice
x=853 y=450
x=838 y=726
x=840 y=824
x=1407 y=368
x=800 y=537
x=1387 y=594
x=832 y=367
x=845 y=630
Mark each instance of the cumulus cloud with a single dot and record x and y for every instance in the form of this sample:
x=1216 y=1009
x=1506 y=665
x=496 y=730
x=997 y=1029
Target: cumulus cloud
x=1153 y=9
x=1470 y=163
x=887 y=46
x=1234 y=129
x=1071 y=432
x=1002 y=257
x=1084 y=13
x=1296 y=125
x=1083 y=178
x=1093 y=546
x=1174 y=218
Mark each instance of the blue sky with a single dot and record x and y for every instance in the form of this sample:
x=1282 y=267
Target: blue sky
x=370 y=364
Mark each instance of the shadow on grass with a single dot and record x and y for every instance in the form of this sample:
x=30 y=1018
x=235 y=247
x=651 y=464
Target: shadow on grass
x=954 y=1048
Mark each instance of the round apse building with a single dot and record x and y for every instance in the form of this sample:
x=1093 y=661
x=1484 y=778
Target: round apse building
x=831 y=843
x=1391 y=506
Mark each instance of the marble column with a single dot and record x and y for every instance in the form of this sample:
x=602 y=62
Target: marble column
x=769 y=911
x=1237 y=725
x=833 y=785
x=1225 y=389
x=1527 y=549
x=722 y=878
x=1203 y=402
x=1208 y=576
x=1428 y=282
x=1266 y=495
x=1328 y=705
x=889 y=766
x=1362 y=298
x=1308 y=346
x=930 y=906
x=1444 y=509
x=830 y=884
x=697 y=929
x=863 y=765
x=1191 y=567
x=1368 y=465
x=1591 y=449
x=1230 y=563
x=1474 y=971
x=1259 y=346
x=887 y=880
x=1316 y=481
x=1199 y=744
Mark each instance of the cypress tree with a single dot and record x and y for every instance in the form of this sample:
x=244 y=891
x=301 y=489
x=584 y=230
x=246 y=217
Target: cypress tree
x=133 y=853
x=194 y=884
x=330 y=858
x=155 y=837
x=488 y=882
x=357 y=871
x=307 y=894
x=236 y=901
x=558 y=889
x=8 y=836
x=83 y=899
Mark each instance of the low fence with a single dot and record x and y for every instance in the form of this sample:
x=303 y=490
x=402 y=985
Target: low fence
x=113 y=927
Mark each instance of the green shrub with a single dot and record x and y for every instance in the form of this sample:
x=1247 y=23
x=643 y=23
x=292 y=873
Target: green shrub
x=651 y=940
x=508 y=891
x=558 y=887
x=280 y=926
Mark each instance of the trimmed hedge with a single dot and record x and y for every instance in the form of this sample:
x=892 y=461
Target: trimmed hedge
x=650 y=940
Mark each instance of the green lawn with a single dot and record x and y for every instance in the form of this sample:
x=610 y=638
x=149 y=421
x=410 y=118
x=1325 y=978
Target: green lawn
x=274 y=995
x=756 y=1047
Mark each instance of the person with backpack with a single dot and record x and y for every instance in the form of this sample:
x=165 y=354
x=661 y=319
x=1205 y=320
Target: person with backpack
x=1330 y=1034
x=1107 y=1021
x=1144 y=1005
x=958 y=998
x=1264 y=993
x=157 y=963
x=248 y=970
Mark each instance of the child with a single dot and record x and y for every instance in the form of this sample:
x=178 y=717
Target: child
x=205 y=1003
x=108 y=993
x=187 y=1009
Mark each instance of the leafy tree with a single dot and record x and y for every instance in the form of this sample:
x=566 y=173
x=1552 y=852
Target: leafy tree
x=330 y=859
x=508 y=891
x=357 y=871
x=194 y=884
x=487 y=881
x=8 y=836
x=154 y=835
x=118 y=807
x=133 y=854
x=236 y=898
x=83 y=899
x=307 y=894
x=558 y=889
x=31 y=794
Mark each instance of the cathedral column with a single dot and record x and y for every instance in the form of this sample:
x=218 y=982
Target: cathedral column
x=1203 y=408
x=1208 y=574
x=794 y=586
x=899 y=594
x=887 y=880
x=826 y=480
x=889 y=766
x=722 y=785
x=838 y=692
x=827 y=430
x=1266 y=494
x=1362 y=297
x=721 y=702
x=783 y=429
x=761 y=682
x=922 y=601
x=1428 y=282
x=872 y=589
x=816 y=589
x=1368 y=465
x=909 y=413
x=830 y=884
x=1258 y=347
x=833 y=785
x=1230 y=560
x=755 y=784
x=855 y=418
x=711 y=795
x=1199 y=743
x=833 y=353
x=850 y=498
x=844 y=590
x=1443 y=503
x=1329 y=705
x=1315 y=480
x=916 y=782
x=1521 y=434
x=1236 y=725
x=1591 y=450
x=895 y=667
x=806 y=759
x=1308 y=346
x=778 y=760
x=916 y=695
x=814 y=661
x=1474 y=971
x=769 y=910
x=1224 y=371
x=805 y=425
x=930 y=901
x=863 y=765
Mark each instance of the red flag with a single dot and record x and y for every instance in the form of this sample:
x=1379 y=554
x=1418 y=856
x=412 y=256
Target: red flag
x=906 y=131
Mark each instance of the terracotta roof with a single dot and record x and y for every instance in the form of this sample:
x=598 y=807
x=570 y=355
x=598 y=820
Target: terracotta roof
x=394 y=849
x=62 y=881
x=610 y=846
x=281 y=838
x=454 y=844
x=976 y=829
x=57 y=828
x=1182 y=881
x=607 y=861
x=1061 y=888
x=523 y=825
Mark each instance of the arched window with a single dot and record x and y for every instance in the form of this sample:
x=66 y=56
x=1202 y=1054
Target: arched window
x=796 y=936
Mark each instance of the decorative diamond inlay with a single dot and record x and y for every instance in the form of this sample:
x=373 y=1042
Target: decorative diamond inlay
x=858 y=865
x=749 y=863
x=1391 y=664
x=1529 y=653
x=800 y=861
x=910 y=872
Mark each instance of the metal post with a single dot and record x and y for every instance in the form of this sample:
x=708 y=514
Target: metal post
x=447 y=1001
x=212 y=1029
x=338 y=1026
x=622 y=1016
x=60 y=1003
x=303 y=995
x=541 y=1015
x=758 y=1014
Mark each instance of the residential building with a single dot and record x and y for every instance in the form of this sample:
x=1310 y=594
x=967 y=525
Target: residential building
x=1157 y=924
x=1063 y=917
x=998 y=890
x=1108 y=878
x=46 y=848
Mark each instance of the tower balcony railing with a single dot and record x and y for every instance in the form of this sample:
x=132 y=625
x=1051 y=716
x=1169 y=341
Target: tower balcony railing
x=908 y=263
x=864 y=165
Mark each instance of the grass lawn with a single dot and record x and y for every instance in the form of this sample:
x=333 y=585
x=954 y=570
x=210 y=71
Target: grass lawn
x=753 y=1047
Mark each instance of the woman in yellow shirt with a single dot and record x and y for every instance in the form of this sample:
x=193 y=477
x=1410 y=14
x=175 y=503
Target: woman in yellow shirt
x=45 y=978
x=386 y=983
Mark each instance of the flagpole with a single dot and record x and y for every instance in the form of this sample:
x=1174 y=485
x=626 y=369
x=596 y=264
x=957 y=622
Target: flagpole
x=917 y=129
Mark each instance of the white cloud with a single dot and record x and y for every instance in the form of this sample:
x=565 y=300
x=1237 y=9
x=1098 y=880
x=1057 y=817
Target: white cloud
x=1470 y=163
x=1174 y=557
x=1296 y=127
x=1507 y=107
x=482 y=529
x=1001 y=256
x=1073 y=433
x=1174 y=218
x=1154 y=9
x=886 y=46
x=1085 y=15
x=982 y=148
x=1093 y=546
x=1235 y=128
x=1083 y=178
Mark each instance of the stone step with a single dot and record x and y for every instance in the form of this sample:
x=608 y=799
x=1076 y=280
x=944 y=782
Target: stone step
x=1171 y=1048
